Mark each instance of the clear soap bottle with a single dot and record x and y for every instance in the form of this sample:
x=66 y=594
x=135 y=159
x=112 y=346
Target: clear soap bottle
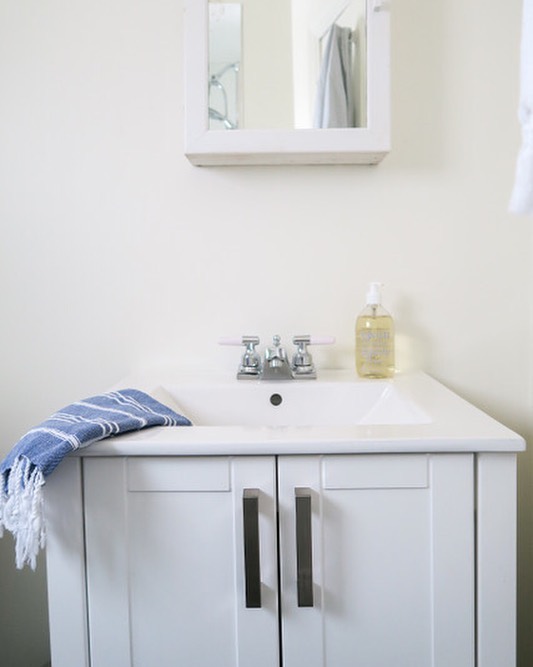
x=374 y=338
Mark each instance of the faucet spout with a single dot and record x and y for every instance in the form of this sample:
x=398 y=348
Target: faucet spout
x=276 y=365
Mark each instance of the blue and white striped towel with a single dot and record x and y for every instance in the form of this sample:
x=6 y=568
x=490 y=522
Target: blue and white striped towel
x=34 y=457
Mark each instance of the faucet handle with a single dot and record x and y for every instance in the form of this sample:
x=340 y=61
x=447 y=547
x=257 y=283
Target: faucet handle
x=238 y=340
x=250 y=366
x=302 y=361
x=314 y=340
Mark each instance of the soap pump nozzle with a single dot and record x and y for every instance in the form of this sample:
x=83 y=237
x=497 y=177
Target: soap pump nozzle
x=373 y=296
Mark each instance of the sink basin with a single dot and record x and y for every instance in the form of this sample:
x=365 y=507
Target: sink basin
x=338 y=413
x=294 y=403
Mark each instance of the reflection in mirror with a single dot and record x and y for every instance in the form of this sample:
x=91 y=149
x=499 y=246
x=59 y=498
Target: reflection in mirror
x=224 y=65
x=285 y=64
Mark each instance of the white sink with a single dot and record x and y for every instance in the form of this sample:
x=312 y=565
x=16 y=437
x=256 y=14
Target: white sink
x=295 y=403
x=337 y=413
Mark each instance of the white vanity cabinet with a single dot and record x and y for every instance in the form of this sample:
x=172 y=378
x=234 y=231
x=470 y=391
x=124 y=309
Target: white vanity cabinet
x=392 y=553
x=366 y=560
x=167 y=586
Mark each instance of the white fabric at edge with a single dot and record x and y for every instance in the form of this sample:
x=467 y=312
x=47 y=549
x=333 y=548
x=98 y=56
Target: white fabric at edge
x=522 y=195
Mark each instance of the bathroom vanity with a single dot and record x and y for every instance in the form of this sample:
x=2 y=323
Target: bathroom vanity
x=289 y=540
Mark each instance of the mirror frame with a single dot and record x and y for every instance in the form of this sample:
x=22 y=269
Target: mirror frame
x=360 y=145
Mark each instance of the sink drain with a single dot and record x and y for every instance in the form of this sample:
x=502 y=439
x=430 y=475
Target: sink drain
x=276 y=399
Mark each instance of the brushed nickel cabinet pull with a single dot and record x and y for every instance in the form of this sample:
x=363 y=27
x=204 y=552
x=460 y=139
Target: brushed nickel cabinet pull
x=252 y=566
x=304 y=551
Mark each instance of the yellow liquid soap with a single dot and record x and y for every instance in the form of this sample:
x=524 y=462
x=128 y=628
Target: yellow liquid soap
x=374 y=343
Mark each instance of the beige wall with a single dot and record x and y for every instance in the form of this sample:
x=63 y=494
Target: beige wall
x=117 y=253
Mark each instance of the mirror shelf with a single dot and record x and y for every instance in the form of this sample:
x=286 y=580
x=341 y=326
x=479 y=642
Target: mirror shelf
x=359 y=145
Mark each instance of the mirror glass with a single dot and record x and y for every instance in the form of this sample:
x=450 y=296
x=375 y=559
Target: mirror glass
x=287 y=64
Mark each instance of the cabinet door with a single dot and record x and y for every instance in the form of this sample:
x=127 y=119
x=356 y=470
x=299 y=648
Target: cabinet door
x=168 y=580
x=390 y=560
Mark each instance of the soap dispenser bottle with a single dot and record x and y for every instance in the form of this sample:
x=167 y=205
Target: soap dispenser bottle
x=374 y=338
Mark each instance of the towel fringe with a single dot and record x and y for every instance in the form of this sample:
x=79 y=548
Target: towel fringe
x=3 y=500
x=22 y=510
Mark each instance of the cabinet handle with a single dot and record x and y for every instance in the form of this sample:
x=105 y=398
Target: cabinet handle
x=252 y=567
x=304 y=551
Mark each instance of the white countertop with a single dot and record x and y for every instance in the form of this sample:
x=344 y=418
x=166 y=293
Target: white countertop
x=453 y=424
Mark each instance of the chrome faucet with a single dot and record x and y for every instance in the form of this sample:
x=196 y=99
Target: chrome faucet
x=250 y=366
x=302 y=361
x=275 y=364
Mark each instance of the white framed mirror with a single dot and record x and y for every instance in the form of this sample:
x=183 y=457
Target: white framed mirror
x=287 y=82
